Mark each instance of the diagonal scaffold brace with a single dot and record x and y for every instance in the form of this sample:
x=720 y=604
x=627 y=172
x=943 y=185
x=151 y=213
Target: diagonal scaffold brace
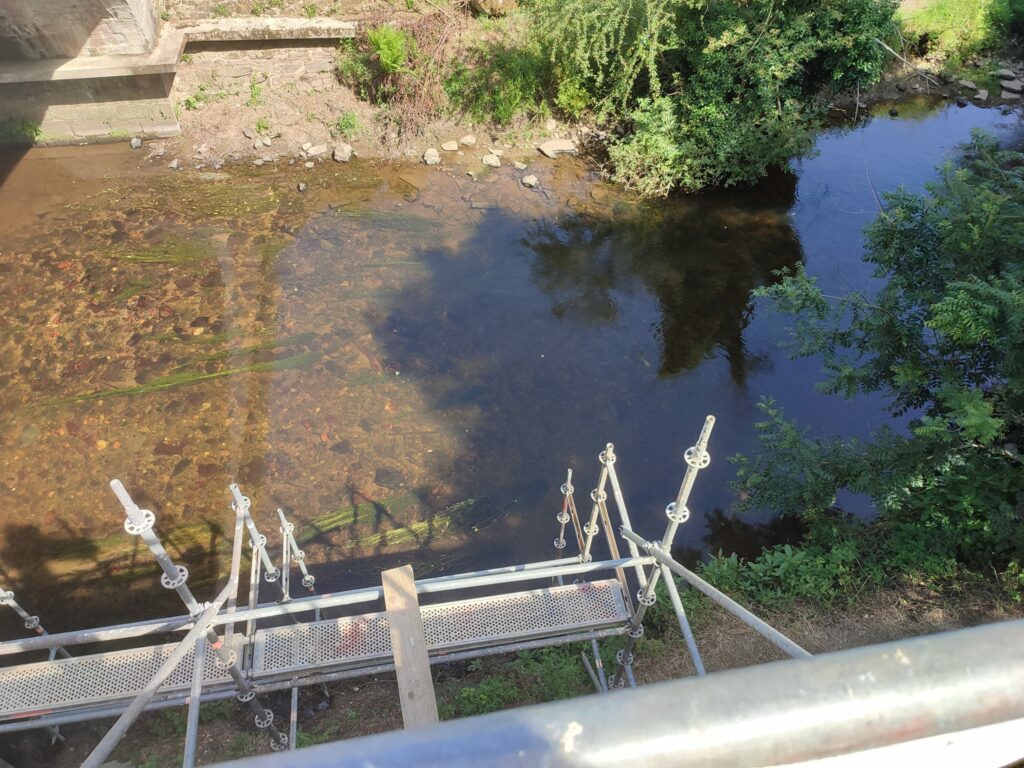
x=139 y=522
x=697 y=458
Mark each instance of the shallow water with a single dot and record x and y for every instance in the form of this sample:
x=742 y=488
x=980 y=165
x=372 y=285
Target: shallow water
x=403 y=359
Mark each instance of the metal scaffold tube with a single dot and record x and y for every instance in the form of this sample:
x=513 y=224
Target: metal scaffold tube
x=720 y=598
x=31 y=622
x=598 y=497
x=697 y=458
x=684 y=623
x=140 y=522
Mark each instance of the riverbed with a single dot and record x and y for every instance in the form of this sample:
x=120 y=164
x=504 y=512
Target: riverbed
x=405 y=359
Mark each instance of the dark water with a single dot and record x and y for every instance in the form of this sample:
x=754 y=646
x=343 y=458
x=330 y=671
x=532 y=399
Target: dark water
x=405 y=360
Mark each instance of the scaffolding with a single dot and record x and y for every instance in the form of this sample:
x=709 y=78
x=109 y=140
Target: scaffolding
x=248 y=651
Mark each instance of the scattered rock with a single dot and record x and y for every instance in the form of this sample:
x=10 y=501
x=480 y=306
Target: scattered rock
x=319 y=149
x=530 y=181
x=498 y=152
x=386 y=477
x=981 y=95
x=450 y=146
x=301 y=187
x=343 y=153
x=249 y=133
x=519 y=166
x=893 y=112
x=961 y=101
x=471 y=174
x=1014 y=86
x=469 y=140
x=491 y=161
x=1005 y=74
x=136 y=142
x=1009 y=96
x=257 y=144
x=257 y=162
x=493 y=7
x=266 y=141
x=968 y=84
x=308 y=164
x=556 y=147
x=173 y=165
x=307 y=146
x=343 y=446
x=431 y=157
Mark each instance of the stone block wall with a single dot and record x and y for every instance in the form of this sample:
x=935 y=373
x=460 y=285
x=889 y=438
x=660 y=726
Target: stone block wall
x=54 y=29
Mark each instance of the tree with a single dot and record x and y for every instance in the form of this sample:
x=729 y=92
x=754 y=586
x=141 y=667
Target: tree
x=943 y=340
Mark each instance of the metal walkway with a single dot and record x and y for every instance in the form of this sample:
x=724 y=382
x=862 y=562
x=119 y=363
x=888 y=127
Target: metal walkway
x=225 y=652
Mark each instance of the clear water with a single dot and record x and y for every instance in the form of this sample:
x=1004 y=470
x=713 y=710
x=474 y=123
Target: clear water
x=405 y=360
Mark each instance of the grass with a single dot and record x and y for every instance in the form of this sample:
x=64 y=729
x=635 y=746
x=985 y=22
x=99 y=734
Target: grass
x=960 y=29
x=220 y=10
x=203 y=95
x=170 y=252
x=18 y=130
x=309 y=11
x=262 y=126
x=347 y=125
x=255 y=95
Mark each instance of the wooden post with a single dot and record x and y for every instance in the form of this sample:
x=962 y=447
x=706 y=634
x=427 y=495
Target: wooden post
x=415 y=685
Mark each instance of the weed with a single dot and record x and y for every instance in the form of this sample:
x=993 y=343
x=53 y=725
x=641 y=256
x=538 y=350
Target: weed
x=221 y=10
x=186 y=58
x=203 y=95
x=241 y=745
x=328 y=732
x=262 y=126
x=507 y=81
x=255 y=94
x=351 y=714
x=410 y=5
x=347 y=125
x=961 y=28
x=18 y=130
x=391 y=46
x=259 y=7
x=493 y=693
x=309 y=11
x=165 y=16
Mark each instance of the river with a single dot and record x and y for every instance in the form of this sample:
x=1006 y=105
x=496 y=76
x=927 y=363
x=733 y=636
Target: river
x=404 y=359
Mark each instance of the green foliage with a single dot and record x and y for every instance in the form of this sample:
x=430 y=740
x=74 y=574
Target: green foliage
x=220 y=10
x=259 y=7
x=262 y=126
x=321 y=735
x=391 y=47
x=715 y=93
x=962 y=28
x=255 y=94
x=370 y=65
x=203 y=95
x=165 y=16
x=490 y=695
x=186 y=58
x=503 y=83
x=347 y=125
x=943 y=341
x=309 y=10
x=18 y=130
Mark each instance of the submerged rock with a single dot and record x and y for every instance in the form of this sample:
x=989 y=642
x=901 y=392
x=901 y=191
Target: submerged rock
x=556 y=147
x=491 y=161
x=431 y=157
x=530 y=181
x=469 y=140
x=519 y=166
x=387 y=477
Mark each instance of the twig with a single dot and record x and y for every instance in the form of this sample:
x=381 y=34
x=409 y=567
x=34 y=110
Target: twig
x=442 y=10
x=919 y=71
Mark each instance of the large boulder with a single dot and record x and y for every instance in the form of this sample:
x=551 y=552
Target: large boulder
x=493 y=7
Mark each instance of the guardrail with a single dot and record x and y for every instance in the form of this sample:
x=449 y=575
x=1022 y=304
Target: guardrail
x=897 y=696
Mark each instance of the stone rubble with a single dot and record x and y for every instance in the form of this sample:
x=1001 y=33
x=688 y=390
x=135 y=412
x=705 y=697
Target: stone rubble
x=530 y=181
x=450 y=146
x=431 y=157
x=491 y=161
x=556 y=147
x=468 y=140
x=136 y=142
x=342 y=153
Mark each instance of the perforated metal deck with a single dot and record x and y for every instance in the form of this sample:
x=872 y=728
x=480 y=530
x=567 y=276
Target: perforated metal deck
x=449 y=627
x=91 y=680
x=333 y=644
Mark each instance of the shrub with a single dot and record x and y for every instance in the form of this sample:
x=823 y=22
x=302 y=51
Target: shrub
x=373 y=64
x=392 y=47
x=347 y=125
x=963 y=28
x=505 y=82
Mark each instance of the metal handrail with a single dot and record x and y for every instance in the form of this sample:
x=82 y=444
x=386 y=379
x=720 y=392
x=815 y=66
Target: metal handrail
x=773 y=714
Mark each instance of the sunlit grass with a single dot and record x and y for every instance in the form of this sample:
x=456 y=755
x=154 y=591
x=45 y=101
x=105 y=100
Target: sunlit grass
x=962 y=28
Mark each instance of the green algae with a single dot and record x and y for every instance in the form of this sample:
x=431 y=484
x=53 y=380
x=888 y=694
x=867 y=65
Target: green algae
x=186 y=378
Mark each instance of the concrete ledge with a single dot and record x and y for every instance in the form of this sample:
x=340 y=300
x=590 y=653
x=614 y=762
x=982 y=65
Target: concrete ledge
x=162 y=59
x=165 y=56
x=241 y=29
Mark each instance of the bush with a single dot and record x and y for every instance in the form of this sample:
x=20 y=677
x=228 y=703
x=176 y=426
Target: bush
x=941 y=340
x=371 y=65
x=714 y=94
x=963 y=28
x=503 y=83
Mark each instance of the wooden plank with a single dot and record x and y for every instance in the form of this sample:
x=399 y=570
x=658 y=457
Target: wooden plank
x=415 y=685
